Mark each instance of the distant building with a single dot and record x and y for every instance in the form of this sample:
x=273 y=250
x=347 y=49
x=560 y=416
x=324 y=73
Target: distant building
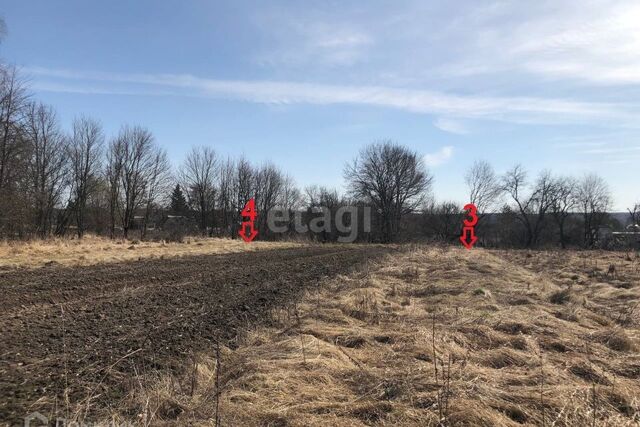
x=178 y=224
x=628 y=238
x=138 y=221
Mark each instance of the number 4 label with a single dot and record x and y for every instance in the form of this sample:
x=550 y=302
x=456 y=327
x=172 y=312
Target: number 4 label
x=249 y=211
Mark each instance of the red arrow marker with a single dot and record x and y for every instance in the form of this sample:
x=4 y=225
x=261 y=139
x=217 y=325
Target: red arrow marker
x=252 y=235
x=468 y=237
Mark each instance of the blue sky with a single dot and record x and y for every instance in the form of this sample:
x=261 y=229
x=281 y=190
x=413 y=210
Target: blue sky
x=550 y=84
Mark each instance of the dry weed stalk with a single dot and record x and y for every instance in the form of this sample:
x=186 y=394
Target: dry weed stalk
x=443 y=381
x=217 y=383
x=594 y=403
x=66 y=368
x=304 y=356
x=194 y=371
x=542 y=381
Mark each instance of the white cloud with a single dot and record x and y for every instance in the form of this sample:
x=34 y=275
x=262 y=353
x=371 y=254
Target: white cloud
x=439 y=157
x=511 y=109
x=304 y=37
x=92 y=89
x=594 y=41
x=601 y=44
x=450 y=125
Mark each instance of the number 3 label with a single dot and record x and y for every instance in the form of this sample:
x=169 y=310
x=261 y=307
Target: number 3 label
x=472 y=214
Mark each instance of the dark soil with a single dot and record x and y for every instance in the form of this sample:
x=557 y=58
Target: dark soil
x=87 y=332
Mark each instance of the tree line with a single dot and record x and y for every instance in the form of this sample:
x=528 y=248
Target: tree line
x=56 y=182
x=52 y=181
x=518 y=210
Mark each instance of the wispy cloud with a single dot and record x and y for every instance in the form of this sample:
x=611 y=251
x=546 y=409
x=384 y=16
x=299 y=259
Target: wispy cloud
x=612 y=150
x=592 y=41
x=594 y=139
x=600 y=44
x=511 y=109
x=450 y=125
x=439 y=157
x=574 y=145
x=93 y=89
x=309 y=38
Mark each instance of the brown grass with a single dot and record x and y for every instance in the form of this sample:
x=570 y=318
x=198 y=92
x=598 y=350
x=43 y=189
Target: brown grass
x=434 y=336
x=95 y=250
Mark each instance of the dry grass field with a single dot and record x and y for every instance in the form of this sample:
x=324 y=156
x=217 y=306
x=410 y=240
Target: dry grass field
x=432 y=336
x=337 y=335
x=95 y=250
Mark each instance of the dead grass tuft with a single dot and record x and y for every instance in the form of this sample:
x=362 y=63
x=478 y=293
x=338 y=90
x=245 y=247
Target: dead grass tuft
x=371 y=412
x=615 y=339
x=561 y=297
x=588 y=373
x=503 y=358
x=513 y=328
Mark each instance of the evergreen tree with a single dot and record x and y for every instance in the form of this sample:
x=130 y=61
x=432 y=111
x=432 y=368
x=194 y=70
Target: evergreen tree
x=178 y=204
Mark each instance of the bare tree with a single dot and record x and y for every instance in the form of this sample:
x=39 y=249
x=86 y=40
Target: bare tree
x=594 y=199
x=13 y=152
x=158 y=182
x=245 y=189
x=135 y=152
x=542 y=199
x=325 y=198
x=319 y=196
x=268 y=192
x=531 y=206
x=291 y=195
x=98 y=219
x=13 y=106
x=514 y=183
x=47 y=164
x=85 y=154
x=443 y=219
x=112 y=173
x=483 y=186
x=199 y=173
x=392 y=178
x=563 y=202
x=291 y=198
x=227 y=197
x=634 y=215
